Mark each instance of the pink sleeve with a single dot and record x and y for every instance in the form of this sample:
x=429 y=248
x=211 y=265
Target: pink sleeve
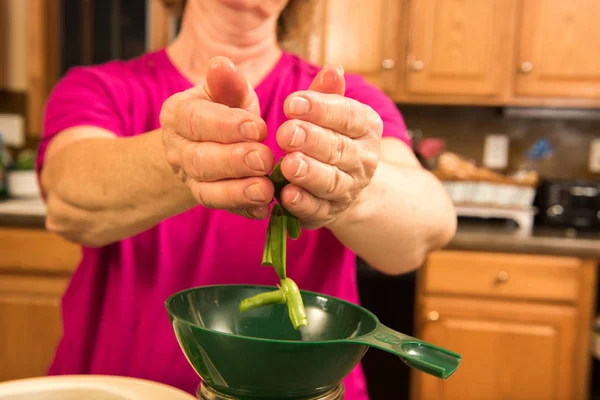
x=359 y=89
x=84 y=96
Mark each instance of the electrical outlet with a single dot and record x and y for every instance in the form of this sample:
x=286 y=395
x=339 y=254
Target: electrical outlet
x=594 y=156
x=12 y=129
x=495 y=152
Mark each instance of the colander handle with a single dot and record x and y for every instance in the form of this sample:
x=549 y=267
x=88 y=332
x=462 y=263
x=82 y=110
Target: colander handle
x=415 y=353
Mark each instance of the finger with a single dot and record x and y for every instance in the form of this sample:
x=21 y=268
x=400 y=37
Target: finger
x=233 y=193
x=260 y=212
x=323 y=180
x=227 y=86
x=204 y=121
x=322 y=144
x=341 y=114
x=305 y=206
x=208 y=162
x=330 y=80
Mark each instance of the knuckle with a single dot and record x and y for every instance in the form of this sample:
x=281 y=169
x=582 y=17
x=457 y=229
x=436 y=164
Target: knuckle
x=232 y=196
x=192 y=123
x=339 y=150
x=349 y=116
x=172 y=157
x=336 y=183
x=203 y=196
x=233 y=158
x=375 y=123
x=323 y=210
x=166 y=115
x=195 y=163
x=370 y=160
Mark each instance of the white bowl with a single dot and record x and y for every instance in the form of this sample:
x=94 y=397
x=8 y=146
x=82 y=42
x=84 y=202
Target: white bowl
x=22 y=184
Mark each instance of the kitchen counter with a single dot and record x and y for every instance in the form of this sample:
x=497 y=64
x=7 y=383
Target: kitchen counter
x=471 y=235
x=501 y=237
x=27 y=213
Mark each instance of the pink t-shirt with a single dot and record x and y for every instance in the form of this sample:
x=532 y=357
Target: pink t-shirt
x=113 y=310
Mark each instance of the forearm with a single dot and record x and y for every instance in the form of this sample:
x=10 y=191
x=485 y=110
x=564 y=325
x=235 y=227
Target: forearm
x=400 y=217
x=101 y=190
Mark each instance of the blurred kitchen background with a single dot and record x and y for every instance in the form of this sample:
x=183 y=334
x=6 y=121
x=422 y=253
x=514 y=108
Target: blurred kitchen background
x=502 y=99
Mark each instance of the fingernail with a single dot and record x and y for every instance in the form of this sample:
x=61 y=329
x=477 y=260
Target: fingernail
x=255 y=193
x=296 y=198
x=299 y=106
x=250 y=130
x=301 y=169
x=256 y=212
x=298 y=137
x=254 y=162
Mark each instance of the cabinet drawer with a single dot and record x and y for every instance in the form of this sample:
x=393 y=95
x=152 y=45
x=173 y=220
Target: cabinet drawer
x=36 y=250
x=499 y=275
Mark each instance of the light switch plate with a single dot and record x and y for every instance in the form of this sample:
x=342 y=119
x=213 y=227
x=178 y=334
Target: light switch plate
x=594 y=156
x=12 y=130
x=495 y=152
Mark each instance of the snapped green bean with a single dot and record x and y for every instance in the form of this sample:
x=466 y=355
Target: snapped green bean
x=281 y=225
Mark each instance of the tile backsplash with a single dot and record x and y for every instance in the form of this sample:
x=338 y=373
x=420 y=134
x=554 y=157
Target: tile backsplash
x=464 y=130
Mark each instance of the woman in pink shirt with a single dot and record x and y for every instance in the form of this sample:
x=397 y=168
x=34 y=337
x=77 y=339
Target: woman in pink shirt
x=156 y=167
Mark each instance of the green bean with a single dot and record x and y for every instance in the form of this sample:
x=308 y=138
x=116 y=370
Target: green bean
x=293 y=298
x=277 y=241
x=263 y=299
x=293 y=228
x=281 y=225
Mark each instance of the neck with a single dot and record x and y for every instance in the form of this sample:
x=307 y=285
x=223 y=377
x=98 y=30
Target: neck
x=247 y=38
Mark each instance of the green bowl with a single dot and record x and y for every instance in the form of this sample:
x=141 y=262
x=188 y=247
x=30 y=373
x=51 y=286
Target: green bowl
x=258 y=354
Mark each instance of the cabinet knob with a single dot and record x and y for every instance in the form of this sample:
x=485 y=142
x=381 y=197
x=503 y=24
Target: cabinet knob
x=417 y=65
x=433 y=316
x=388 y=63
x=502 y=276
x=526 y=67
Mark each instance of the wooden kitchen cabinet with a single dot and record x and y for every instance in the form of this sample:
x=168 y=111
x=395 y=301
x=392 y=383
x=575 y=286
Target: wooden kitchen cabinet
x=362 y=36
x=523 y=331
x=35 y=267
x=459 y=49
x=558 y=51
x=31 y=324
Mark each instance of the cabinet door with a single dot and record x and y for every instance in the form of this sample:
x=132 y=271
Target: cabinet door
x=362 y=36
x=30 y=324
x=459 y=47
x=511 y=351
x=559 y=53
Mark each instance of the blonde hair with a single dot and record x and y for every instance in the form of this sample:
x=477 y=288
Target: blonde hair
x=294 y=22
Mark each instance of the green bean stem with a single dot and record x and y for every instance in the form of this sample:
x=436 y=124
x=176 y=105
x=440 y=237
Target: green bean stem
x=263 y=299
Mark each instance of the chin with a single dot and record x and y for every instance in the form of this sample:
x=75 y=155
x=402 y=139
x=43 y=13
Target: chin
x=265 y=4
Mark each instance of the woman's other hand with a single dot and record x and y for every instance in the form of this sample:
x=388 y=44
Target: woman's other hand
x=333 y=149
x=212 y=138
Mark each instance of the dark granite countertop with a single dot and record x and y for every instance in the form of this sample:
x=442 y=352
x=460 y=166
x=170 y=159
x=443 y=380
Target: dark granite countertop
x=28 y=213
x=502 y=237
x=22 y=221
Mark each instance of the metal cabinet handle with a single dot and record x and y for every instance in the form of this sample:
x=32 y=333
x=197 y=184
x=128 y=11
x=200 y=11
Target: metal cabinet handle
x=417 y=65
x=388 y=64
x=502 y=276
x=433 y=316
x=526 y=67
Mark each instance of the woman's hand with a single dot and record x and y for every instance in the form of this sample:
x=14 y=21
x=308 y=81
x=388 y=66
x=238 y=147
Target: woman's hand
x=212 y=137
x=333 y=150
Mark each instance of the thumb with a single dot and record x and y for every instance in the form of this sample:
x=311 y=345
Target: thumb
x=330 y=80
x=226 y=85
